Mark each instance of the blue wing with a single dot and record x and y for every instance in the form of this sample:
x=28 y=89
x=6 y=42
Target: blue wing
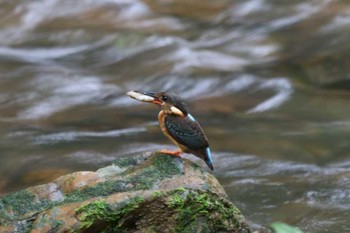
x=186 y=131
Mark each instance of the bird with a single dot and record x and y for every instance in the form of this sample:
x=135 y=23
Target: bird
x=178 y=124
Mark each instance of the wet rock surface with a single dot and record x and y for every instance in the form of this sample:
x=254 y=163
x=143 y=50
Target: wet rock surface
x=143 y=193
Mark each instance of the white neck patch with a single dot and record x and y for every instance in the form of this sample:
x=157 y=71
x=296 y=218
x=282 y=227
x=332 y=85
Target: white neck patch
x=176 y=111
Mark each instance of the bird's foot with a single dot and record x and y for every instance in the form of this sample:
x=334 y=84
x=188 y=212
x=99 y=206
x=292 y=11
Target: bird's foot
x=168 y=152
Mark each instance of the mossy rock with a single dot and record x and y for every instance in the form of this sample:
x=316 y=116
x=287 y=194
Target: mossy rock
x=143 y=193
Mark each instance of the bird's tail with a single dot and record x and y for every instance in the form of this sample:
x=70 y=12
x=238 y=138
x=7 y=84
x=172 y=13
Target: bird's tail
x=205 y=155
x=207 y=158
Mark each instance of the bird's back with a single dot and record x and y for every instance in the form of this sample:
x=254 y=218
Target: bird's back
x=187 y=132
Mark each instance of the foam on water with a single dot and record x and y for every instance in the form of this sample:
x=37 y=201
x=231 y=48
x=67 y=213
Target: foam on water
x=76 y=135
x=64 y=93
x=284 y=91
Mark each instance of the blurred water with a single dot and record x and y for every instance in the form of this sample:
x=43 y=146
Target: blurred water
x=268 y=80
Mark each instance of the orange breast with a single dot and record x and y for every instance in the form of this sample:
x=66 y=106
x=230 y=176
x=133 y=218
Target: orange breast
x=161 y=116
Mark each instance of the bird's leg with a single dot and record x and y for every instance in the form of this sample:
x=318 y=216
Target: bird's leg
x=174 y=153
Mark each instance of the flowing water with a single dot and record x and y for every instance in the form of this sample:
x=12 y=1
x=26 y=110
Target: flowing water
x=268 y=80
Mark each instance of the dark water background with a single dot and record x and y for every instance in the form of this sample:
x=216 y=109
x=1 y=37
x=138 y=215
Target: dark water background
x=268 y=80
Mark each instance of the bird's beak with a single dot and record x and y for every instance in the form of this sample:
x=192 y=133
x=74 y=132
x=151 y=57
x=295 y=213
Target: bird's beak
x=153 y=95
x=145 y=96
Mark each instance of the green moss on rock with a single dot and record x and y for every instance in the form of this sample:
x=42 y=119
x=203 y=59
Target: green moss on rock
x=193 y=205
x=128 y=161
x=193 y=211
x=99 y=213
x=167 y=165
x=164 y=167
x=157 y=194
x=20 y=203
x=100 y=189
x=56 y=225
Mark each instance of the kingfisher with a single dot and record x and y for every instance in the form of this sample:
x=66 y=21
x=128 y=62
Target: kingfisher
x=178 y=124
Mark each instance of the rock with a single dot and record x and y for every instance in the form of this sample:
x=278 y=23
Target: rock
x=144 y=193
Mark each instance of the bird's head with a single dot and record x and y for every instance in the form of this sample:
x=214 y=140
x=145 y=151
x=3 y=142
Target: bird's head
x=168 y=101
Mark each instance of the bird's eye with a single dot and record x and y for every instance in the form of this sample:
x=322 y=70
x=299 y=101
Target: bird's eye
x=164 y=98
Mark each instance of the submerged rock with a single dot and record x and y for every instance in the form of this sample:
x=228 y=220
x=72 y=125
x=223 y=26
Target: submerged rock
x=156 y=193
